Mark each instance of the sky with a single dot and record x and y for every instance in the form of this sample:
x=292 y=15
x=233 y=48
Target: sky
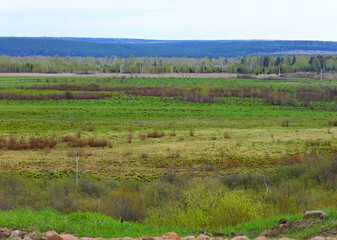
x=171 y=19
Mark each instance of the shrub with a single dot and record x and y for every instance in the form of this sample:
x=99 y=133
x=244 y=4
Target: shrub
x=289 y=197
x=52 y=143
x=142 y=137
x=97 y=143
x=62 y=195
x=226 y=135
x=34 y=143
x=4 y=204
x=91 y=188
x=67 y=138
x=155 y=134
x=173 y=133
x=17 y=192
x=78 y=143
x=3 y=140
x=69 y=95
x=126 y=203
x=204 y=206
x=332 y=123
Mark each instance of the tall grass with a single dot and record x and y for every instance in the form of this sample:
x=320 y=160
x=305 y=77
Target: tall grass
x=85 y=224
x=81 y=224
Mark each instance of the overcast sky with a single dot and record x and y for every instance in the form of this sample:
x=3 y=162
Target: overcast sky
x=171 y=19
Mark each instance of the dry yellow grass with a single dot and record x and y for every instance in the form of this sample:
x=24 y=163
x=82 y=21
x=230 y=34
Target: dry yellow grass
x=207 y=151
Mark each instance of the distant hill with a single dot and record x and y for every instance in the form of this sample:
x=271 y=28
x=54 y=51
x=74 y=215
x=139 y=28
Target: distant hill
x=101 y=47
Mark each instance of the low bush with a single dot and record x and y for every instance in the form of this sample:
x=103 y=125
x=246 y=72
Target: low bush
x=33 y=143
x=155 y=134
x=92 y=142
x=142 y=137
x=173 y=133
x=333 y=123
x=226 y=135
x=206 y=206
x=188 y=201
x=126 y=204
x=63 y=196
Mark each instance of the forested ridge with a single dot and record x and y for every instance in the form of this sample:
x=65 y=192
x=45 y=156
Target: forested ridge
x=104 y=47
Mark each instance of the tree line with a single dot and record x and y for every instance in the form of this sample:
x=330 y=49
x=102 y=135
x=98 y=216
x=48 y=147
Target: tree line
x=301 y=96
x=136 y=65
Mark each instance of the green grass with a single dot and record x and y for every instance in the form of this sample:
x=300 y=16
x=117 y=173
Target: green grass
x=84 y=224
x=154 y=113
x=255 y=128
x=256 y=227
x=257 y=139
x=14 y=82
x=81 y=224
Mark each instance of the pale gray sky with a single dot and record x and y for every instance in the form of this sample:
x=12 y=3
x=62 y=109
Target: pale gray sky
x=171 y=19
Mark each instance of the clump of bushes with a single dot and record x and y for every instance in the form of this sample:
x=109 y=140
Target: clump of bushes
x=126 y=203
x=33 y=143
x=79 y=153
x=226 y=135
x=91 y=142
x=206 y=205
x=195 y=202
x=155 y=134
x=173 y=133
x=332 y=123
x=142 y=137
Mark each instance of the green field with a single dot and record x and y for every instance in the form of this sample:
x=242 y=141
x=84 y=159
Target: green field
x=229 y=136
x=83 y=224
x=19 y=81
x=212 y=154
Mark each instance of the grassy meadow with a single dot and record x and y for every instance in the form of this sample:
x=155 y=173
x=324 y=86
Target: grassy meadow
x=235 y=135
x=97 y=225
x=211 y=154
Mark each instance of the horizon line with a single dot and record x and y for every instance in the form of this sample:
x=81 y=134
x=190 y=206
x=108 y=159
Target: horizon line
x=153 y=39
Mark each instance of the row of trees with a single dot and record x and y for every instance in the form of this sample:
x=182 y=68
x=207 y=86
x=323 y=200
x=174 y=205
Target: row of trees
x=241 y=65
x=304 y=96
